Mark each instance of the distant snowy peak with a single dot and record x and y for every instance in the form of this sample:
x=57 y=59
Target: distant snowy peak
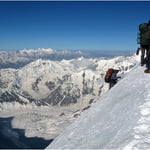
x=16 y=59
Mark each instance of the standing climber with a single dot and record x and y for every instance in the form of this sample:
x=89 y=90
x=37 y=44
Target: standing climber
x=144 y=41
x=148 y=51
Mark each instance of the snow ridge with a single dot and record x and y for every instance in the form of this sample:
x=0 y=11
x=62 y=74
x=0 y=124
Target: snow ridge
x=141 y=131
x=118 y=120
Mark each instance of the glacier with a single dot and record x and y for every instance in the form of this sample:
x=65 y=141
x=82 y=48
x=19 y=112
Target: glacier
x=120 y=119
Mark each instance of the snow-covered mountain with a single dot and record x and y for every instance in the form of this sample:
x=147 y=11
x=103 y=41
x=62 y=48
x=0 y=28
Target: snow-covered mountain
x=45 y=82
x=118 y=120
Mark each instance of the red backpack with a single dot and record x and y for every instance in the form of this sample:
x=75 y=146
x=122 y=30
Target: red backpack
x=108 y=74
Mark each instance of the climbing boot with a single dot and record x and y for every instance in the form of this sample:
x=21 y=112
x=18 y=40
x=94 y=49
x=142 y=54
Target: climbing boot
x=147 y=71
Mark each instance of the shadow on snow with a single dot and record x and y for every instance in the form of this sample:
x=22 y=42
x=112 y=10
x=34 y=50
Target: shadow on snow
x=12 y=138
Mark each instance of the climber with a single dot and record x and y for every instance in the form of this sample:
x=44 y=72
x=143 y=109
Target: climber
x=111 y=77
x=144 y=41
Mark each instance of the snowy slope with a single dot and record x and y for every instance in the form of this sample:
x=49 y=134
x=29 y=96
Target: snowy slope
x=119 y=119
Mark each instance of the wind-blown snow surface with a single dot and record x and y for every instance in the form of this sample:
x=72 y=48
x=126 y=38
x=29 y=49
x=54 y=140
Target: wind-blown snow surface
x=119 y=119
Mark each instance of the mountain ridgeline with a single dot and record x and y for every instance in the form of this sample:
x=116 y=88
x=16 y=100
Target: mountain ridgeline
x=58 y=83
x=20 y=58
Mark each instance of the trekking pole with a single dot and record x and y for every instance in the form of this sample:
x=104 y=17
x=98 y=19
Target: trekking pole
x=137 y=51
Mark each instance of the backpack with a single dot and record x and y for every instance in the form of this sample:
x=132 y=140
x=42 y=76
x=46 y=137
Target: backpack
x=144 y=34
x=143 y=27
x=108 y=75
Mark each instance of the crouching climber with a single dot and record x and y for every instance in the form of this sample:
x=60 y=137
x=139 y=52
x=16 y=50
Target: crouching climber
x=111 y=77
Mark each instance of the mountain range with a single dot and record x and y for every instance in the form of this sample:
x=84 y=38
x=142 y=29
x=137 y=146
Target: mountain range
x=47 y=82
x=20 y=58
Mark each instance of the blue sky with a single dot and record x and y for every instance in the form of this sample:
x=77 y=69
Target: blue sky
x=72 y=25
